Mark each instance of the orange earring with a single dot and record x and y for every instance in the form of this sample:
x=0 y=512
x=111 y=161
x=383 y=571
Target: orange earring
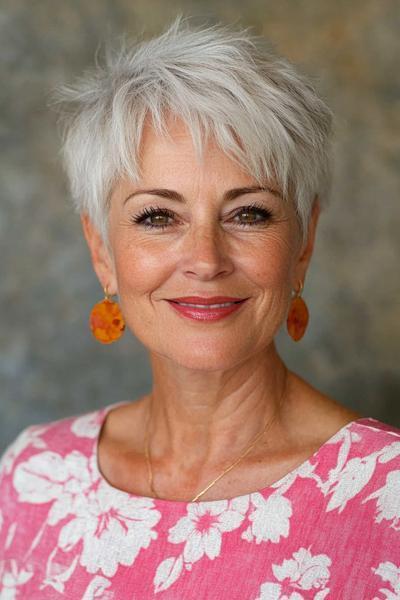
x=106 y=321
x=298 y=316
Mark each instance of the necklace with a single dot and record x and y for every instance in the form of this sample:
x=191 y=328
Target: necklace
x=225 y=471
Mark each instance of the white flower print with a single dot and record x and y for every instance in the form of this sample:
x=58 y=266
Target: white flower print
x=349 y=477
x=389 y=452
x=202 y=528
x=89 y=531
x=168 y=571
x=346 y=437
x=103 y=518
x=304 y=569
x=273 y=591
x=48 y=477
x=87 y=425
x=270 y=519
x=57 y=574
x=387 y=571
x=10 y=534
x=388 y=500
x=349 y=482
x=96 y=588
x=110 y=519
x=28 y=437
x=11 y=579
x=270 y=591
x=305 y=470
x=240 y=504
x=304 y=572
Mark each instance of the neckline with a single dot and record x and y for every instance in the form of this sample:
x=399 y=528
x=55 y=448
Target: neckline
x=182 y=503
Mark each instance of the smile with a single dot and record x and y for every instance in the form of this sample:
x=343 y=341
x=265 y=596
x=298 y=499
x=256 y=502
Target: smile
x=206 y=312
x=207 y=306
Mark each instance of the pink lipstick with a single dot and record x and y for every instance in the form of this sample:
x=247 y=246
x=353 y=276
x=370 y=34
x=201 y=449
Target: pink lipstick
x=206 y=309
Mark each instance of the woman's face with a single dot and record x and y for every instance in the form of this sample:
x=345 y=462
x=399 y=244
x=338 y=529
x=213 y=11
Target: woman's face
x=203 y=242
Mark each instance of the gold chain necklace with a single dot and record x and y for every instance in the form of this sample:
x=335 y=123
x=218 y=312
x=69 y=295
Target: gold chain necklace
x=236 y=462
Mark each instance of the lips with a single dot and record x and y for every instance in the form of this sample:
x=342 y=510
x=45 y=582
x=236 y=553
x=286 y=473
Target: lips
x=206 y=309
x=199 y=300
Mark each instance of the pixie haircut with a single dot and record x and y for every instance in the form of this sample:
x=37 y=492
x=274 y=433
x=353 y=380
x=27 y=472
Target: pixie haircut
x=224 y=83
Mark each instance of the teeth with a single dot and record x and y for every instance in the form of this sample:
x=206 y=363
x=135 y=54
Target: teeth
x=207 y=305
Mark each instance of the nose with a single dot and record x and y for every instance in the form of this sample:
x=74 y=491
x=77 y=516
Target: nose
x=205 y=254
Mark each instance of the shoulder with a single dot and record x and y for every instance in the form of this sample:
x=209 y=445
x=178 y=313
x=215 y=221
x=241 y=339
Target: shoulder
x=369 y=441
x=376 y=434
x=75 y=433
x=368 y=465
x=373 y=472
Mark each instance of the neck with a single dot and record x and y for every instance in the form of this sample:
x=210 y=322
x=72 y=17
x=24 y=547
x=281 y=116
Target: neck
x=198 y=420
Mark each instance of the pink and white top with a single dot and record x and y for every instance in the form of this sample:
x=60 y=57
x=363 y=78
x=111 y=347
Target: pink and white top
x=328 y=529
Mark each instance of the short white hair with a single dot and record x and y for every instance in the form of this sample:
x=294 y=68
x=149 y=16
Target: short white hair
x=222 y=82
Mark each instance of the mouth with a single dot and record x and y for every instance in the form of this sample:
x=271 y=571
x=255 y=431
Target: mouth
x=206 y=309
x=202 y=302
x=207 y=306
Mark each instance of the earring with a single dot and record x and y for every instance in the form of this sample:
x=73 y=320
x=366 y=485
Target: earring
x=106 y=321
x=298 y=316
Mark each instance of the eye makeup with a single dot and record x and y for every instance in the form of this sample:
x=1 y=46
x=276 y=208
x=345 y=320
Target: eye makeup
x=144 y=217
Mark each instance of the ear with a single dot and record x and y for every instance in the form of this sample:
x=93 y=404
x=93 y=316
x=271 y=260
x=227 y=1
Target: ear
x=101 y=259
x=307 y=249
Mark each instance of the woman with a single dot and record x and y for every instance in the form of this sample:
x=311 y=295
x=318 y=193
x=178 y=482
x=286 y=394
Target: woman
x=199 y=162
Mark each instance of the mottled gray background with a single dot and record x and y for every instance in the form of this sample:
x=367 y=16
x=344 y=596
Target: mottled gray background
x=50 y=365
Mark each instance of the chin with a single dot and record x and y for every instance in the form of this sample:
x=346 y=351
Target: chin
x=204 y=364
x=205 y=356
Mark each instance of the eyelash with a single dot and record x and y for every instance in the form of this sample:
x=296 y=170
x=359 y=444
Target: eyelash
x=141 y=217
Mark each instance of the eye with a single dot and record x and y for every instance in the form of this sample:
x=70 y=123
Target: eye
x=254 y=214
x=158 y=218
x=153 y=217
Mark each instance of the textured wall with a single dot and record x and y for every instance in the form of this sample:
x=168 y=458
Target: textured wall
x=50 y=366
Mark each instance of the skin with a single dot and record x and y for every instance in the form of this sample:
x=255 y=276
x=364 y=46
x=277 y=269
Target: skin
x=215 y=384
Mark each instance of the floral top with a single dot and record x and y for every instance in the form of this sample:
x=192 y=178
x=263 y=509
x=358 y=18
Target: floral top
x=328 y=529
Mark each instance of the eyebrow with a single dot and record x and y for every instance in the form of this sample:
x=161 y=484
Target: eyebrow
x=228 y=196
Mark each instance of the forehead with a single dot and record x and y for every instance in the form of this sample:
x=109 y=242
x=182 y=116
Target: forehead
x=174 y=155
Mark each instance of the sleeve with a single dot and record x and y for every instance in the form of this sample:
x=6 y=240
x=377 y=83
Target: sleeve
x=26 y=443
x=27 y=438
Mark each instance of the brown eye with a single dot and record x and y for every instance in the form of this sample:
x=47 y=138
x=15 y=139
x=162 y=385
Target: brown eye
x=253 y=215
x=158 y=219
x=249 y=216
x=153 y=218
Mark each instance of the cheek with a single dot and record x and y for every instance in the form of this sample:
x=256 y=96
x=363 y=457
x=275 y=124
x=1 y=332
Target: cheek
x=138 y=269
x=138 y=274
x=270 y=269
x=270 y=265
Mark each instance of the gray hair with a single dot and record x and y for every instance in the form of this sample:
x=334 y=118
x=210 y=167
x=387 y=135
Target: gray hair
x=220 y=81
